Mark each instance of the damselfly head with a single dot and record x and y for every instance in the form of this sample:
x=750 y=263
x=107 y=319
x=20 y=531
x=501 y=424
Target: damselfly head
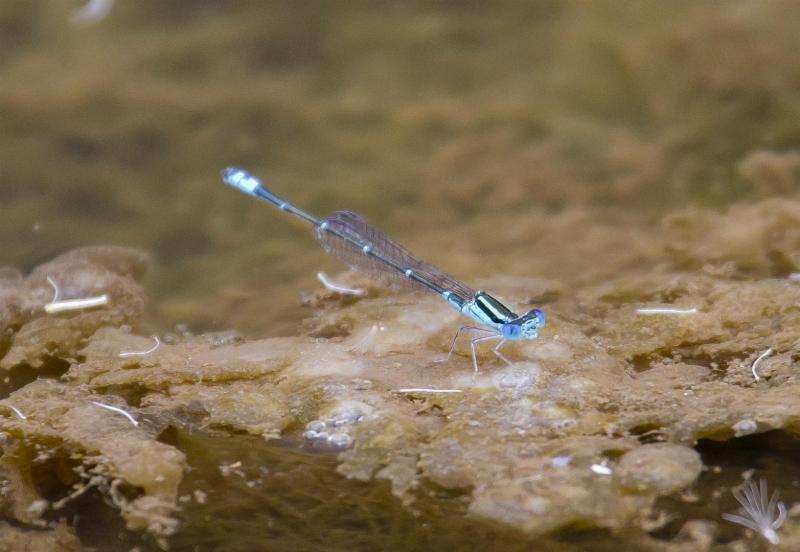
x=526 y=326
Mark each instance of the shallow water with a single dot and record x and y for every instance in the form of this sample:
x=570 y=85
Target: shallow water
x=586 y=158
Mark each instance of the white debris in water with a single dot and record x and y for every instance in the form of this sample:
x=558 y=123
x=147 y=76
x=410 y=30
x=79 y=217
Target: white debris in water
x=315 y=426
x=561 y=461
x=56 y=291
x=131 y=419
x=147 y=352
x=316 y=432
x=601 y=469
x=38 y=507
x=648 y=311
x=340 y=440
x=331 y=286
x=744 y=427
x=16 y=411
x=363 y=344
x=227 y=469
x=425 y=390
x=76 y=304
x=331 y=430
x=761 y=357
x=55 y=305
x=756 y=513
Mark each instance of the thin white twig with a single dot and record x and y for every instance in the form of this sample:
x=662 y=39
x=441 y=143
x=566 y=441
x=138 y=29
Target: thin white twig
x=426 y=390
x=761 y=357
x=76 y=304
x=330 y=286
x=16 y=411
x=92 y=12
x=56 y=291
x=665 y=311
x=147 y=352
x=117 y=410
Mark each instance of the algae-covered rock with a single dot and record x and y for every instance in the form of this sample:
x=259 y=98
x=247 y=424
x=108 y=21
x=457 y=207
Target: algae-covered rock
x=661 y=468
x=59 y=539
x=563 y=437
x=547 y=443
x=759 y=239
x=82 y=273
x=549 y=502
x=193 y=361
x=95 y=447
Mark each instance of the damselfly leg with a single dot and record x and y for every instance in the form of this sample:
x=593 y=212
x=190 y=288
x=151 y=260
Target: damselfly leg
x=473 y=342
x=477 y=340
x=458 y=333
x=496 y=351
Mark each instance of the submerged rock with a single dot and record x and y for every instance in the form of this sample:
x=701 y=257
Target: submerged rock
x=659 y=468
x=561 y=438
x=58 y=539
x=91 y=446
x=32 y=333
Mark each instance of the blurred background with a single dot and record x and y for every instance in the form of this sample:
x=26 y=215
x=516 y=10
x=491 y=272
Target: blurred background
x=545 y=138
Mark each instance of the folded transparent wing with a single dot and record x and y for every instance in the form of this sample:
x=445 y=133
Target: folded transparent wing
x=344 y=235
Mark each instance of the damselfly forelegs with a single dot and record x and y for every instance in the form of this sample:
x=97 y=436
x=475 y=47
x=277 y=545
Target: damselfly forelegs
x=488 y=335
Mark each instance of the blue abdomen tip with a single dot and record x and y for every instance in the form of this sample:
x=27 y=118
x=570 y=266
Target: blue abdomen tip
x=240 y=179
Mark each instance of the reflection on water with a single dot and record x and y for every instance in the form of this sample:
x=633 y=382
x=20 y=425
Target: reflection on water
x=284 y=501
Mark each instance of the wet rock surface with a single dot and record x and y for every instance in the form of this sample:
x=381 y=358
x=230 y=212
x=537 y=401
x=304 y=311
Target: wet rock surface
x=32 y=333
x=59 y=539
x=579 y=432
x=592 y=159
x=659 y=468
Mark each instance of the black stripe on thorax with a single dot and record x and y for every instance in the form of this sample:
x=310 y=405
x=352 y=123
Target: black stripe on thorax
x=496 y=311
